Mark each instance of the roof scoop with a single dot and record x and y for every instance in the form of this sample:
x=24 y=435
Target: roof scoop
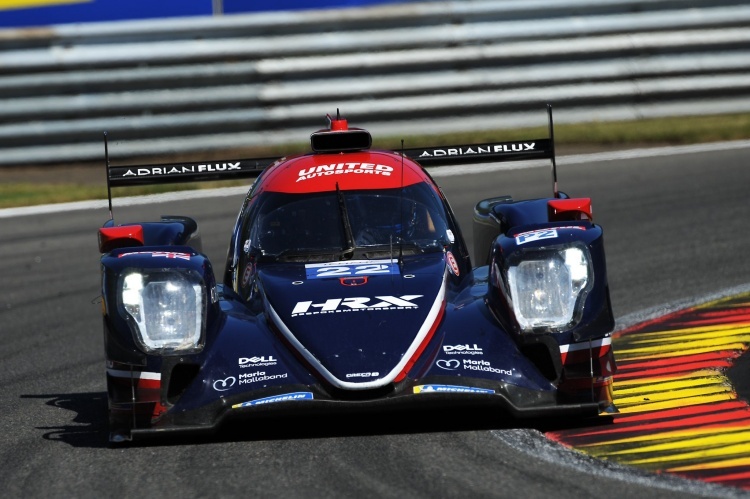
x=339 y=137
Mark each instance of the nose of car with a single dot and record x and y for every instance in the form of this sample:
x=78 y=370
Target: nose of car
x=357 y=328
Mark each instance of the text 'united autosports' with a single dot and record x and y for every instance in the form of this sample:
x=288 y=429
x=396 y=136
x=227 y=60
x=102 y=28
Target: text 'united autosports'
x=348 y=285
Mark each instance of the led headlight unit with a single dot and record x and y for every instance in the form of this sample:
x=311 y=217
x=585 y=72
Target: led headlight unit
x=548 y=287
x=165 y=308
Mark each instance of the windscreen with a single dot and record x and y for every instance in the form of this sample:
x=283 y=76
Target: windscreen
x=345 y=224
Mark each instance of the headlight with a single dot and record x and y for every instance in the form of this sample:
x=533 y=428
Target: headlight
x=548 y=288
x=165 y=308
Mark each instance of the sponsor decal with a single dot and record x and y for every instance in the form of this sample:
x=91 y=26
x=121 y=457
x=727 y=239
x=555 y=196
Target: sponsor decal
x=535 y=235
x=483 y=365
x=247 y=378
x=344 y=168
x=276 y=398
x=351 y=268
x=486 y=149
x=450 y=389
x=355 y=304
x=157 y=254
x=257 y=361
x=222 y=385
x=362 y=375
x=449 y=365
x=462 y=350
x=471 y=365
x=452 y=264
x=180 y=169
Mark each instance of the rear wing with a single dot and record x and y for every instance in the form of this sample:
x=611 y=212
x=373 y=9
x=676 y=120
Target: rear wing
x=490 y=152
x=119 y=176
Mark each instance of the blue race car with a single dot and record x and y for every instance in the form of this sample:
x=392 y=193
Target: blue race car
x=348 y=286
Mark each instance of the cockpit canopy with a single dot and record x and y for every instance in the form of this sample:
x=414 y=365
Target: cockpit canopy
x=339 y=225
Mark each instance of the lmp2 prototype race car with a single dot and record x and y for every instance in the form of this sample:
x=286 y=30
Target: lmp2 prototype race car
x=348 y=286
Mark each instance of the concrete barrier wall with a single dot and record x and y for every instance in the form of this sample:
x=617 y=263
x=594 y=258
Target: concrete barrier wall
x=205 y=84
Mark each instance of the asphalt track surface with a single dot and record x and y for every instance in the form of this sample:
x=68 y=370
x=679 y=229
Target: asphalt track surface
x=676 y=230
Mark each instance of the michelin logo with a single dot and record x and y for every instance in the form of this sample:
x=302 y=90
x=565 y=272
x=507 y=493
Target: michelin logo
x=288 y=397
x=450 y=389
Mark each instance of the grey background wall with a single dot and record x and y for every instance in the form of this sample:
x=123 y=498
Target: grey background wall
x=202 y=84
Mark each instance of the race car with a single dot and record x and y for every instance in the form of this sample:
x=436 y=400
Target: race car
x=348 y=287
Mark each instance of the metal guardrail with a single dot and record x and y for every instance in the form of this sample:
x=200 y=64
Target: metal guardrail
x=203 y=85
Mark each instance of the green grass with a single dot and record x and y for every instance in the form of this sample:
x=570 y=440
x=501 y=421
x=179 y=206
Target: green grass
x=15 y=194
x=23 y=193
x=568 y=138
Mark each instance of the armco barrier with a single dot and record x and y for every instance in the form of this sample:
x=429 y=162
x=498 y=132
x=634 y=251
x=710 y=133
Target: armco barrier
x=203 y=85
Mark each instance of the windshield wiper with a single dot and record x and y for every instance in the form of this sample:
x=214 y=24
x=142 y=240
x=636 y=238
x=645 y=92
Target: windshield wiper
x=304 y=255
x=407 y=248
x=347 y=224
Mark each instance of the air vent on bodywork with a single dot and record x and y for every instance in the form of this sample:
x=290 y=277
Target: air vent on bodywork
x=539 y=354
x=182 y=375
x=374 y=393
